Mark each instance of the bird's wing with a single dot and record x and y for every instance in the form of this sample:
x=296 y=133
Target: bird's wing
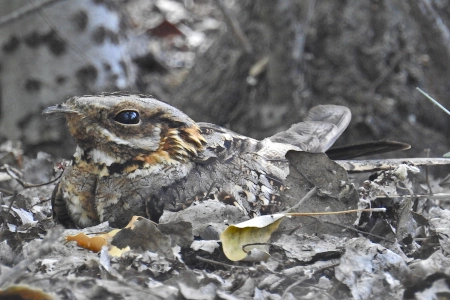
x=223 y=143
x=230 y=167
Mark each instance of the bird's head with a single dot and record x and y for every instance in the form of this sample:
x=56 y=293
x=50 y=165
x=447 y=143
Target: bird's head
x=118 y=128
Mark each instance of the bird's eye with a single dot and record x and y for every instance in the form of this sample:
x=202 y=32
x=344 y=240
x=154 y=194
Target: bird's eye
x=127 y=117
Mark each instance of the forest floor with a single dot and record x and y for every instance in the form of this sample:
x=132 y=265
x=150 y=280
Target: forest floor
x=401 y=252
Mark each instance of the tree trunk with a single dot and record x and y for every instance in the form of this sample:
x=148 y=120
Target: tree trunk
x=367 y=55
x=64 y=49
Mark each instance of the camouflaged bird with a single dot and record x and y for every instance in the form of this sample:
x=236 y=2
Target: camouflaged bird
x=138 y=156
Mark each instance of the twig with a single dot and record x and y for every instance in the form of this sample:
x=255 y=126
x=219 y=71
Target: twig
x=326 y=213
x=5 y=221
x=434 y=101
x=217 y=263
x=209 y=191
x=303 y=200
x=437 y=196
x=320 y=289
x=40 y=202
x=233 y=23
x=305 y=278
x=27 y=185
x=325 y=293
x=5 y=191
x=253 y=244
x=25 y=10
x=359 y=231
x=293 y=285
x=387 y=164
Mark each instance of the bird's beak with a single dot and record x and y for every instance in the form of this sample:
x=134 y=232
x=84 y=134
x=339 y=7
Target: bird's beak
x=60 y=109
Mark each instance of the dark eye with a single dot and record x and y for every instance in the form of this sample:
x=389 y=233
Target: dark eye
x=127 y=117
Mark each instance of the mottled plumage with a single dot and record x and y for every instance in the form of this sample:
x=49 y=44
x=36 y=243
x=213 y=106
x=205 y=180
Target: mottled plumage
x=137 y=156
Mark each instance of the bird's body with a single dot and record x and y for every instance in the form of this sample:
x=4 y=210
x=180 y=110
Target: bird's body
x=137 y=156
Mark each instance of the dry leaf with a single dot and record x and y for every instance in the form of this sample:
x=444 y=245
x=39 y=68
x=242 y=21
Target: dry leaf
x=23 y=292
x=256 y=230
x=142 y=234
x=309 y=170
x=94 y=243
x=237 y=240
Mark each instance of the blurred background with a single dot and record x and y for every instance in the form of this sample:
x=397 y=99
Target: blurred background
x=255 y=67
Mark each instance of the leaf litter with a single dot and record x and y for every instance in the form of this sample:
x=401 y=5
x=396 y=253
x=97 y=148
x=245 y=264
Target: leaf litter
x=400 y=253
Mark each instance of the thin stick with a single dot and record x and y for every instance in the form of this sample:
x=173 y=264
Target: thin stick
x=209 y=191
x=305 y=278
x=434 y=101
x=26 y=184
x=217 y=263
x=437 y=196
x=5 y=221
x=303 y=200
x=7 y=192
x=359 y=231
x=308 y=214
x=371 y=165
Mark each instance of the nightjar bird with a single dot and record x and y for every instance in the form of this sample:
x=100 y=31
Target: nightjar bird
x=138 y=156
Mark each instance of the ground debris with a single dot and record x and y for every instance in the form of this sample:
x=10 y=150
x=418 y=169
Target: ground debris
x=402 y=252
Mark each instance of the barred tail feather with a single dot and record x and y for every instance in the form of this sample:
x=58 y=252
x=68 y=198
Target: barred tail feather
x=321 y=128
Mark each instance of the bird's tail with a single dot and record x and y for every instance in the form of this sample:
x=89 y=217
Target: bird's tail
x=320 y=129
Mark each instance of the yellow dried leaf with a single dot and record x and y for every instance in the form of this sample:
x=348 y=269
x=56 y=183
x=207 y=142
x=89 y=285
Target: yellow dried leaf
x=94 y=243
x=117 y=252
x=133 y=220
x=23 y=292
x=256 y=230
